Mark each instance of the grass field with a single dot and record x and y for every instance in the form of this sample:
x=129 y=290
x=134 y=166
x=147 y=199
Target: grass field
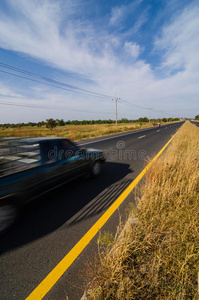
x=158 y=256
x=74 y=132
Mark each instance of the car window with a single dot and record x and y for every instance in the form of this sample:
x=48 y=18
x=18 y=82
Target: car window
x=17 y=155
x=67 y=149
x=49 y=152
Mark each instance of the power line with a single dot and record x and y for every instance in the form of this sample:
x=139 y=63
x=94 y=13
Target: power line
x=55 y=84
x=132 y=104
x=66 y=89
x=50 y=79
x=63 y=86
x=68 y=109
x=125 y=102
x=48 y=107
x=69 y=87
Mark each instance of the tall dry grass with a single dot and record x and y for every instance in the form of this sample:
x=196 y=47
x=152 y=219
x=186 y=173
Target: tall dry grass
x=158 y=258
x=74 y=132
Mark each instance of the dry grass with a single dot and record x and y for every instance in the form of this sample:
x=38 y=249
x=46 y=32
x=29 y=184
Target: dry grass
x=158 y=258
x=74 y=132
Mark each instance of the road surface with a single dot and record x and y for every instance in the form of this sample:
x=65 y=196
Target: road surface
x=50 y=227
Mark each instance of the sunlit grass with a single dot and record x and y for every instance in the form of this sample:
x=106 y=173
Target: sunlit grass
x=74 y=132
x=158 y=257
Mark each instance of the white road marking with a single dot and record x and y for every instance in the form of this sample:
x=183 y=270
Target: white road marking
x=140 y=137
x=158 y=130
x=115 y=136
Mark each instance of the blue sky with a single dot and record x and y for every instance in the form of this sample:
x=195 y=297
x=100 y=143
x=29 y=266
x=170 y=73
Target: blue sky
x=144 y=52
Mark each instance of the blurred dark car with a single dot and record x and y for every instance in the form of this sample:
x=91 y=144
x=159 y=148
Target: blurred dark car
x=30 y=167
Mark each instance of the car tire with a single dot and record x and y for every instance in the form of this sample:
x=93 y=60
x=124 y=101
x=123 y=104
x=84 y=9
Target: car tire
x=96 y=168
x=8 y=216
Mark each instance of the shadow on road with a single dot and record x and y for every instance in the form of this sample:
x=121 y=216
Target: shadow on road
x=68 y=205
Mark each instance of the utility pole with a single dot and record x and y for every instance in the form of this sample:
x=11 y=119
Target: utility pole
x=149 y=113
x=116 y=99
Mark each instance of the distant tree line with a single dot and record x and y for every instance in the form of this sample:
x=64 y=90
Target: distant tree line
x=51 y=123
x=197 y=117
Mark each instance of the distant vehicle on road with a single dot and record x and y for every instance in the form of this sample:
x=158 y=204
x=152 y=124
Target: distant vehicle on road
x=30 y=167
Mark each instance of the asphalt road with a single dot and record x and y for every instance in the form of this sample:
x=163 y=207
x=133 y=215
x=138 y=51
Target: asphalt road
x=50 y=227
x=195 y=123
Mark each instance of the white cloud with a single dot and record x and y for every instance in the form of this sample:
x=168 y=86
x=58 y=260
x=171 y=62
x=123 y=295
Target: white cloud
x=119 y=13
x=50 y=31
x=36 y=32
x=133 y=49
x=6 y=91
x=180 y=40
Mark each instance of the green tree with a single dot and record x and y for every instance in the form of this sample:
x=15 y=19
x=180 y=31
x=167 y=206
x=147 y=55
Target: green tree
x=124 y=120
x=145 y=119
x=19 y=125
x=32 y=124
x=197 y=117
x=60 y=122
x=51 y=123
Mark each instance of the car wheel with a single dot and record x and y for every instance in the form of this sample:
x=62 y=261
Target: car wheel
x=8 y=216
x=96 y=168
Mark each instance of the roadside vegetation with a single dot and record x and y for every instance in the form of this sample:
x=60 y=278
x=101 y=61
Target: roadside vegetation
x=75 y=130
x=157 y=255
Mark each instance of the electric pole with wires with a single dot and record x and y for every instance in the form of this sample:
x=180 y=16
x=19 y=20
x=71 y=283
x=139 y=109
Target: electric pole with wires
x=149 y=108
x=116 y=99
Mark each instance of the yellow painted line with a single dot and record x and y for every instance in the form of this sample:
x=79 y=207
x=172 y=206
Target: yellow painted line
x=43 y=288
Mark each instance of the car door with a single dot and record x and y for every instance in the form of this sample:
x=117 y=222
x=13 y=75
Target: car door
x=51 y=166
x=73 y=160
